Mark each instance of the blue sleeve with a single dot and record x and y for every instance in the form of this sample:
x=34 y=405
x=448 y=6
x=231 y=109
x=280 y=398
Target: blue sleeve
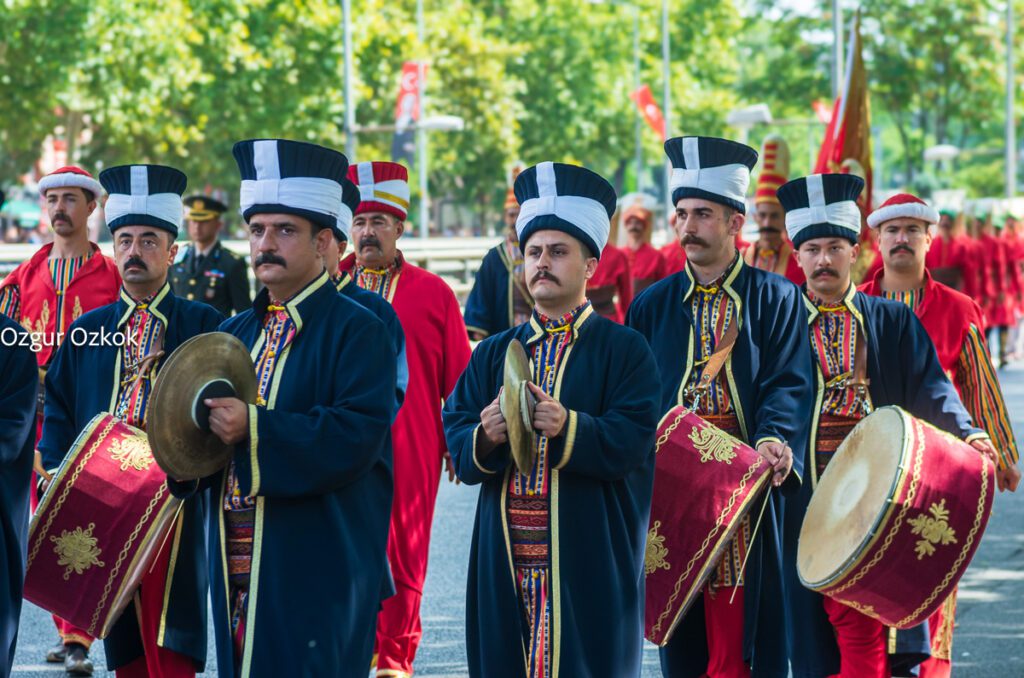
x=297 y=454
x=17 y=398
x=480 y=304
x=59 y=430
x=474 y=391
x=612 y=444
x=785 y=391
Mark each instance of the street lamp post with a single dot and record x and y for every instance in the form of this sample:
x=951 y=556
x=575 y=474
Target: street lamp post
x=1011 y=132
x=350 y=113
x=666 y=66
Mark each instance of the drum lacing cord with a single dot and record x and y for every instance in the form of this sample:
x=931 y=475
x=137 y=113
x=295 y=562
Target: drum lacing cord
x=753 y=536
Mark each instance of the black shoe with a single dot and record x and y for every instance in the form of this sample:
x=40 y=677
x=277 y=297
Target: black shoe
x=57 y=653
x=77 y=662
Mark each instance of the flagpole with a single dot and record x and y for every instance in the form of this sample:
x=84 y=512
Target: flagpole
x=666 y=66
x=837 y=48
x=421 y=134
x=1011 y=132
x=350 y=113
x=636 y=88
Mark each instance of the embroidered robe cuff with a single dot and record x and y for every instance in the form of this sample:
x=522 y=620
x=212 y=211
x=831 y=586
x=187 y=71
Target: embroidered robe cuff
x=977 y=435
x=247 y=466
x=496 y=461
x=470 y=329
x=561 y=448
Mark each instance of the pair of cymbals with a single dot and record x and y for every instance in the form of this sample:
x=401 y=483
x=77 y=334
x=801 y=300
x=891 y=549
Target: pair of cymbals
x=517 y=407
x=212 y=365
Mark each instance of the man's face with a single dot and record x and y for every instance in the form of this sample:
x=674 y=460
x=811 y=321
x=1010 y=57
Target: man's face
x=636 y=227
x=69 y=209
x=286 y=249
x=143 y=253
x=945 y=223
x=333 y=255
x=511 y=214
x=707 y=230
x=827 y=262
x=904 y=243
x=203 y=232
x=557 y=267
x=375 y=235
x=771 y=221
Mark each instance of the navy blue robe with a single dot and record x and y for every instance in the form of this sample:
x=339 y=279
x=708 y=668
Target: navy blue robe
x=904 y=370
x=81 y=383
x=18 y=389
x=489 y=305
x=318 y=461
x=379 y=306
x=602 y=477
x=770 y=386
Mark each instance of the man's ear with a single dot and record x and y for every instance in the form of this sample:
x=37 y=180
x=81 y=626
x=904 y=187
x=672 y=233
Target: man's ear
x=736 y=223
x=400 y=227
x=591 y=268
x=856 y=252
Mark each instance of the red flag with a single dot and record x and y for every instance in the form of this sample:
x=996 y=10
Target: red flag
x=846 y=148
x=822 y=110
x=650 y=110
x=407 y=107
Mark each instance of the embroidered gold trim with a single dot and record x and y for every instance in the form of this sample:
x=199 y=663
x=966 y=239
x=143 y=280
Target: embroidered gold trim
x=934 y=530
x=77 y=550
x=655 y=553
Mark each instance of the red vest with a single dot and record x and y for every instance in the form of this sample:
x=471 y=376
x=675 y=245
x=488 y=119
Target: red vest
x=95 y=284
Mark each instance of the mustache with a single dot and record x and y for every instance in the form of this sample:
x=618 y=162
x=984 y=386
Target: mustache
x=825 y=271
x=61 y=216
x=901 y=248
x=369 y=241
x=769 y=229
x=136 y=261
x=270 y=258
x=690 y=239
x=544 y=275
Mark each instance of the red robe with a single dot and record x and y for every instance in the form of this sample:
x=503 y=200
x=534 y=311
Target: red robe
x=999 y=300
x=946 y=258
x=1015 y=276
x=975 y=284
x=437 y=351
x=647 y=266
x=785 y=263
x=675 y=257
x=96 y=284
x=611 y=289
x=954 y=323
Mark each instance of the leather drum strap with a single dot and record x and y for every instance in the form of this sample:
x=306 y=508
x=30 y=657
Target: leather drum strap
x=719 y=356
x=860 y=380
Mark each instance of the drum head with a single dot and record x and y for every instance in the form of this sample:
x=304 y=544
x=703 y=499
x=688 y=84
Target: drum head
x=212 y=365
x=852 y=497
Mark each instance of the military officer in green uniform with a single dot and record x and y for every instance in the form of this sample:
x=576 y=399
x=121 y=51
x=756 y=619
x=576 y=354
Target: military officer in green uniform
x=206 y=270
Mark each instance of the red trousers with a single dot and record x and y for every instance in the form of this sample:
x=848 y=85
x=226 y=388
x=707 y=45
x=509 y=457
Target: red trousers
x=723 y=622
x=156 y=662
x=412 y=511
x=863 y=642
x=940 y=628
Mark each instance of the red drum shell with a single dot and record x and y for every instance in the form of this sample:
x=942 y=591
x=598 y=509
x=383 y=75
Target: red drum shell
x=705 y=482
x=98 y=527
x=896 y=518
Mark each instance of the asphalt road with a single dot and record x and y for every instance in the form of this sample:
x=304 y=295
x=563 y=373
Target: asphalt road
x=989 y=641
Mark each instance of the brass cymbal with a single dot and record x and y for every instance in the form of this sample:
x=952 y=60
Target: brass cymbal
x=517 y=406
x=211 y=365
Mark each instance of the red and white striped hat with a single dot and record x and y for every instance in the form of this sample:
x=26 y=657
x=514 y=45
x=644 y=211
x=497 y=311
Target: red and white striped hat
x=70 y=176
x=903 y=206
x=383 y=187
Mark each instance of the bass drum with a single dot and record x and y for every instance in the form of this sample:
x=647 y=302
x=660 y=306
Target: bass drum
x=896 y=518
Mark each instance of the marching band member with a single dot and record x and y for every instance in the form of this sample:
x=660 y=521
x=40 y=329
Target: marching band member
x=762 y=396
x=18 y=392
x=610 y=289
x=546 y=596
x=164 y=634
x=437 y=350
x=45 y=294
x=298 y=529
x=867 y=352
x=646 y=264
x=772 y=251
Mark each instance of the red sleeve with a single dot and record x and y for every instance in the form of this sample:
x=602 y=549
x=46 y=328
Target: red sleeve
x=624 y=281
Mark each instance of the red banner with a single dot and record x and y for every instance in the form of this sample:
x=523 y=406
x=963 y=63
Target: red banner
x=407 y=107
x=650 y=110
